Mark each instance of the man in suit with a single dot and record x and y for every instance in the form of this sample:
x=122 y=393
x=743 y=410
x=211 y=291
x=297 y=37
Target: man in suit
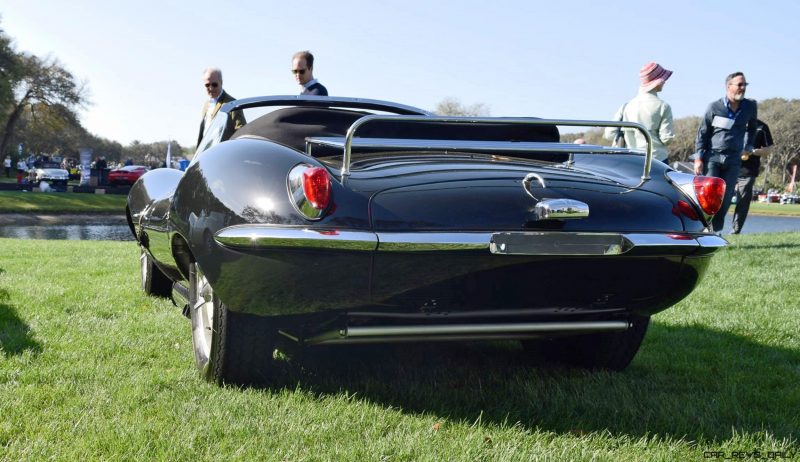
x=303 y=70
x=212 y=79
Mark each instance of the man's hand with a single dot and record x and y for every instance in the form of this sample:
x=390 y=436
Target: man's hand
x=698 y=167
x=746 y=154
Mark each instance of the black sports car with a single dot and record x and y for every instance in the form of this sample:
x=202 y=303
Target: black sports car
x=341 y=220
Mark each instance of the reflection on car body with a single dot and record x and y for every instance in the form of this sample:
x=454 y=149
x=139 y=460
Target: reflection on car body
x=341 y=220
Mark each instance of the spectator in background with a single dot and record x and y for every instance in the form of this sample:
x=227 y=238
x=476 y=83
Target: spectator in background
x=649 y=110
x=748 y=172
x=22 y=169
x=726 y=135
x=303 y=70
x=128 y=161
x=212 y=80
x=7 y=166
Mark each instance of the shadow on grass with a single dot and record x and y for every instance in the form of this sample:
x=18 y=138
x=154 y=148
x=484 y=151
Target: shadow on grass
x=687 y=382
x=15 y=335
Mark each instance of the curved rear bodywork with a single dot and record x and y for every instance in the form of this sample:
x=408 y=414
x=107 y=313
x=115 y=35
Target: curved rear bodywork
x=474 y=235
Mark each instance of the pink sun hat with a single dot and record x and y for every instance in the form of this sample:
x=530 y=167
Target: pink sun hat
x=652 y=75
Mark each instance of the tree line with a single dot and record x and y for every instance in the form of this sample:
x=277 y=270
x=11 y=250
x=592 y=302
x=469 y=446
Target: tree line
x=39 y=104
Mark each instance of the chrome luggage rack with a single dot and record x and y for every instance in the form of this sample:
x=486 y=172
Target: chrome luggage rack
x=350 y=141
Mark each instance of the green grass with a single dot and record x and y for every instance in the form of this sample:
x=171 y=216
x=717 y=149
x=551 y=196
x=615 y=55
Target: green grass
x=91 y=369
x=61 y=202
x=761 y=208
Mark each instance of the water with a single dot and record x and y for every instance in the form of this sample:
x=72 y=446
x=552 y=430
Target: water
x=764 y=224
x=92 y=232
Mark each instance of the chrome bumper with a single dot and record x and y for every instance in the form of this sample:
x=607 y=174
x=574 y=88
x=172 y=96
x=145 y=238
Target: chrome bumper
x=499 y=243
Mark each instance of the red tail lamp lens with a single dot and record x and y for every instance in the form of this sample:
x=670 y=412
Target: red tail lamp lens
x=687 y=210
x=317 y=187
x=709 y=191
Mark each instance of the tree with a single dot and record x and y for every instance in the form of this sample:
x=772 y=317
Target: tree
x=50 y=129
x=682 y=146
x=9 y=70
x=783 y=118
x=452 y=107
x=39 y=82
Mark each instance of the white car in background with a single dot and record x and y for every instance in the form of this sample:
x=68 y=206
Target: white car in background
x=51 y=173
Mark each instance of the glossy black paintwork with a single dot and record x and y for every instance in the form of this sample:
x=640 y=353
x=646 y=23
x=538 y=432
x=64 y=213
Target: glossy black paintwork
x=244 y=181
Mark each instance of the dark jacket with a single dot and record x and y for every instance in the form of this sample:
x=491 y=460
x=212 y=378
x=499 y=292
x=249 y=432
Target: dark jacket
x=236 y=117
x=316 y=89
x=763 y=139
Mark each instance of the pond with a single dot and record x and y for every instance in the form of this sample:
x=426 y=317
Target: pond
x=91 y=232
x=765 y=224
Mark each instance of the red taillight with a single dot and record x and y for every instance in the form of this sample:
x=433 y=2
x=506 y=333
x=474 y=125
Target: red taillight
x=685 y=209
x=709 y=191
x=317 y=187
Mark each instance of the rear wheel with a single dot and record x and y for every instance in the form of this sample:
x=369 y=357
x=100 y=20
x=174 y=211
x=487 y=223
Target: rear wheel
x=154 y=282
x=611 y=350
x=229 y=347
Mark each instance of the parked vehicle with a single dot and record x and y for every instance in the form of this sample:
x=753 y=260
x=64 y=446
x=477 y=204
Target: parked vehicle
x=339 y=220
x=50 y=173
x=126 y=175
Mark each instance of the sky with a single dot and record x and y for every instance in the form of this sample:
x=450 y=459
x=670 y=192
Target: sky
x=142 y=61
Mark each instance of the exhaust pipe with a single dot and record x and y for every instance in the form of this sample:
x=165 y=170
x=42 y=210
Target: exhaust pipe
x=461 y=332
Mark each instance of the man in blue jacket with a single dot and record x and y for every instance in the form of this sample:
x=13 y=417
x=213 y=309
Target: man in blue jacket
x=726 y=133
x=303 y=70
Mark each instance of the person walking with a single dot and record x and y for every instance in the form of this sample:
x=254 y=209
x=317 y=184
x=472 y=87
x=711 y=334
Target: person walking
x=649 y=110
x=751 y=164
x=7 y=166
x=212 y=80
x=725 y=135
x=303 y=70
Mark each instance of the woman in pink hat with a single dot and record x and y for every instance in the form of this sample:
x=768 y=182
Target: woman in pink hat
x=649 y=110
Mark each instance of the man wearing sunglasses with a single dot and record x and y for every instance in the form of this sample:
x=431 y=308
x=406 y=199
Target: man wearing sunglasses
x=212 y=80
x=726 y=135
x=303 y=70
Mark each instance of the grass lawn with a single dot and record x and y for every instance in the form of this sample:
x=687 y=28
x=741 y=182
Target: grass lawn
x=92 y=369
x=761 y=208
x=61 y=202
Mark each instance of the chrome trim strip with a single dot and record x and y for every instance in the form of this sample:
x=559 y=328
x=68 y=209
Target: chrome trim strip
x=362 y=334
x=500 y=243
x=432 y=241
x=659 y=240
x=259 y=236
x=348 y=146
x=712 y=241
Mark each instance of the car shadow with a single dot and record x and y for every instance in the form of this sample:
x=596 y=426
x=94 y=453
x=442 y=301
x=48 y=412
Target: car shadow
x=692 y=382
x=15 y=334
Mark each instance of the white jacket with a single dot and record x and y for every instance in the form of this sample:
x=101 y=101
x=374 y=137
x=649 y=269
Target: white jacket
x=649 y=110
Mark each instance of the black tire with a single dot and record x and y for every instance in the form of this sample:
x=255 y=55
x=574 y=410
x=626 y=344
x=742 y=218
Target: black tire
x=154 y=282
x=229 y=347
x=612 y=350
